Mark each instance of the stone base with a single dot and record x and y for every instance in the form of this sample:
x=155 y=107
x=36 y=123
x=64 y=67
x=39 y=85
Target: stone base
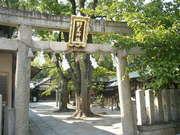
x=164 y=129
x=177 y=127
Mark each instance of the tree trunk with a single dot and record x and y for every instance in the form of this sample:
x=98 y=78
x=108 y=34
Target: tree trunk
x=64 y=96
x=57 y=98
x=82 y=97
x=83 y=74
x=82 y=106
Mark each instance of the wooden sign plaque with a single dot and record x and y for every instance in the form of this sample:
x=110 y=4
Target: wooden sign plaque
x=78 y=31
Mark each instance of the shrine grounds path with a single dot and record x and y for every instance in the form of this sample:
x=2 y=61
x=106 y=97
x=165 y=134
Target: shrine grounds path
x=45 y=121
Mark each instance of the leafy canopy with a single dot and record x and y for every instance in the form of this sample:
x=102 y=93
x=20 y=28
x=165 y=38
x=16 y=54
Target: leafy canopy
x=155 y=28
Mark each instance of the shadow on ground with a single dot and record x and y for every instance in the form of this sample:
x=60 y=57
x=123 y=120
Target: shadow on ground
x=44 y=121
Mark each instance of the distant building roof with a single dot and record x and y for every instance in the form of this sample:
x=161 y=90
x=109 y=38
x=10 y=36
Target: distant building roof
x=134 y=74
x=113 y=81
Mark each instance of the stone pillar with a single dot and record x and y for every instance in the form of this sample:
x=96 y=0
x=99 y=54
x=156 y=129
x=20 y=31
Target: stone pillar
x=22 y=80
x=166 y=105
x=149 y=100
x=126 y=110
x=177 y=102
x=160 y=108
x=140 y=107
x=0 y=114
x=172 y=104
x=156 y=110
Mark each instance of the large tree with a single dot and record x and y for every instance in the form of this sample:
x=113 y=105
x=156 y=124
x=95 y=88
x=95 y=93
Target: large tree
x=83 y=69
x=80 y=65
x=155 y=28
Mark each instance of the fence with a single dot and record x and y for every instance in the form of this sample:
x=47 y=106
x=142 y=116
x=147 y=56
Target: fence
x=155 y=108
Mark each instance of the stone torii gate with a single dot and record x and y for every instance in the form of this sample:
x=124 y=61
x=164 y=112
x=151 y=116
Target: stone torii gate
x=25 y=21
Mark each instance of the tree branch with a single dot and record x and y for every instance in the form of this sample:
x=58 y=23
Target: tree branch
x=73 y=4
x=95 y=2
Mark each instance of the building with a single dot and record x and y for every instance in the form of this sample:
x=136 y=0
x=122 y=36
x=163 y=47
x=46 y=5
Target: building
x=7 y=86
x=111 y=94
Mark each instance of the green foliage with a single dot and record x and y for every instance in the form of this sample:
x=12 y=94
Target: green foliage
x=9 y=3
x=52 y=7
x=103 y=73
x=100 y=76
x=155 y=28
x=52 y=87
x=49 y=68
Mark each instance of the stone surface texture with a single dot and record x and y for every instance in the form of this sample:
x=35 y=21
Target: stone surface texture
x=22 y=83
x=140 y=107
x=14 y=17
x=127 y=117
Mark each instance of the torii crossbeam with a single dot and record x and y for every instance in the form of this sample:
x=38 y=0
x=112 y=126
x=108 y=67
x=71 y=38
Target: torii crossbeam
x=25 y=21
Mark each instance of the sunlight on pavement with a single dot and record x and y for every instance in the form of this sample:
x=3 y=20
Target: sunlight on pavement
x=44 y=118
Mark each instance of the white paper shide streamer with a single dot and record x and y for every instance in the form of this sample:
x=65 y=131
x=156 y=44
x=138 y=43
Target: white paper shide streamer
x=53 y=59
x=93 y=62
x=114 y=60
x=65 y=64
x=40 y=58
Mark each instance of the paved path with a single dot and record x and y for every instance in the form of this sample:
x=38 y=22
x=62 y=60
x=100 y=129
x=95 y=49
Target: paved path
x=44 y=121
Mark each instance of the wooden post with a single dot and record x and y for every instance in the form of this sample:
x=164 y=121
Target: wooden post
x=22 y=80
x=0 y=114
x=112 y=103
x=124 y=97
